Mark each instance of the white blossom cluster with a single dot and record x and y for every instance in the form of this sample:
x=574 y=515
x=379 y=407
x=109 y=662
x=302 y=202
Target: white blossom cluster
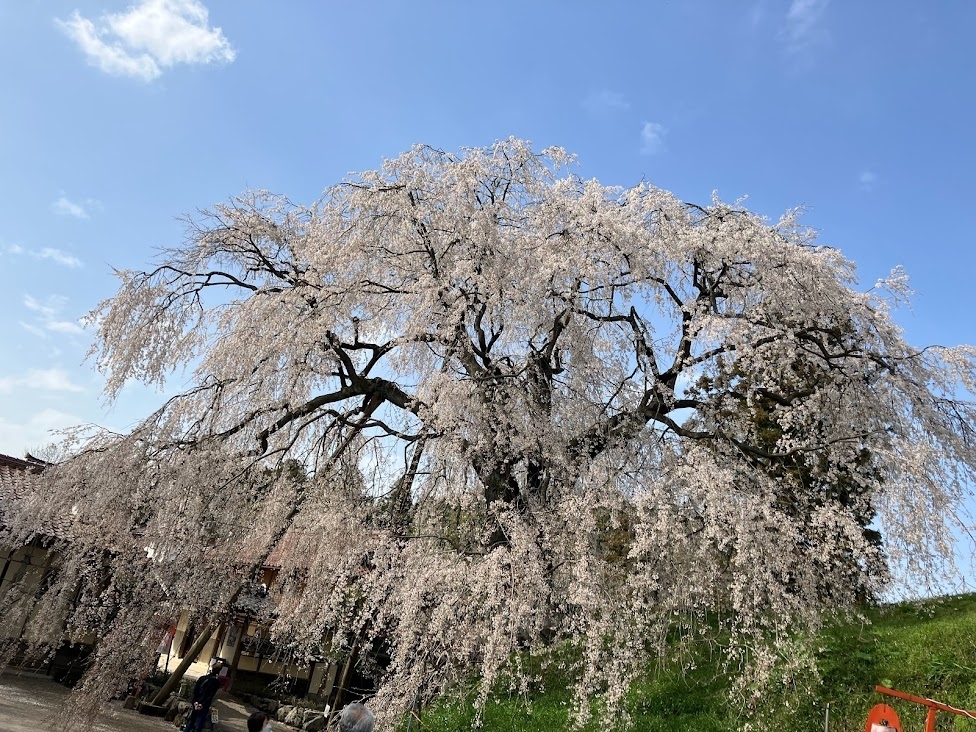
x=474 y=407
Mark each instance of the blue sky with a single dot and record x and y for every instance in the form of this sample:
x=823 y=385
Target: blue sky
x=117 y=117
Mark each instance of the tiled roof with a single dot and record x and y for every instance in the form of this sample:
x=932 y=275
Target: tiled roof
x=15 y=479
x=14 y=476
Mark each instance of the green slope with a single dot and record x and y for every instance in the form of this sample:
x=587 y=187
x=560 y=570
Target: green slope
x=927 y=649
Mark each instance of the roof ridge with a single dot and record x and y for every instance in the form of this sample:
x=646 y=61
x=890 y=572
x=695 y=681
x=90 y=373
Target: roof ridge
x=14 y=462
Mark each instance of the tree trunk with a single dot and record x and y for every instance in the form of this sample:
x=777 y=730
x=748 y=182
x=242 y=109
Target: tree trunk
x=341 y=691
x=179 y=671
x=205 y=634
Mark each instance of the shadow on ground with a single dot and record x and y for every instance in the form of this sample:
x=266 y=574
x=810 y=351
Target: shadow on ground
x=32 y=703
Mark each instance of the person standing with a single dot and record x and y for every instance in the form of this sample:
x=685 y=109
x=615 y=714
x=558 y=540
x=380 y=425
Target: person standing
x=204 y=692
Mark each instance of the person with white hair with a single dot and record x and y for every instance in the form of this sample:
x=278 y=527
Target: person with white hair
x=356 y=717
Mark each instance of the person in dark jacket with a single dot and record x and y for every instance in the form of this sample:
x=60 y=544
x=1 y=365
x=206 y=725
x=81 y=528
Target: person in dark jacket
x=203 y=695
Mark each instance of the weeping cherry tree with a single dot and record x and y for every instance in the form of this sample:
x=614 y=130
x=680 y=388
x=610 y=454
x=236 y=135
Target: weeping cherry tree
x=523 y=405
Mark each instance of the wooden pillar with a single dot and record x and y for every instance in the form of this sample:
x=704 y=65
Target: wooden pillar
x=329 y=683
x=342 y=690
x=237 y=650
x=6 y=566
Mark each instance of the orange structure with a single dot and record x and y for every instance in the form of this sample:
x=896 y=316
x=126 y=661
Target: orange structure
x=934 y=707
x=882 y=719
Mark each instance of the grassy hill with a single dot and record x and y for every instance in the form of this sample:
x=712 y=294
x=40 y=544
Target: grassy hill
x=927 y=649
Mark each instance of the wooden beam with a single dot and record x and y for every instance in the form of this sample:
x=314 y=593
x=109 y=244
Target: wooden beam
x=933 y=706
x=931 y=703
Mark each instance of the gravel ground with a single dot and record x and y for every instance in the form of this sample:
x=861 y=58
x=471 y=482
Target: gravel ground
x=31 y=703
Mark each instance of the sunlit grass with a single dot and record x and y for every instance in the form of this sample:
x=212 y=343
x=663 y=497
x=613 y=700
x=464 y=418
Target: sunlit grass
x=927 y=649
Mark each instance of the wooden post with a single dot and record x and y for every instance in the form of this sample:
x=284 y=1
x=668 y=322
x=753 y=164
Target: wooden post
x=311 y=675
x=237 y=650
x=6 y=566
x=188 y=659
x=341 y=690
x=328 y=683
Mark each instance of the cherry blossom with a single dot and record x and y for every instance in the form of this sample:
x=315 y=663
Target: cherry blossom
x=473 y=406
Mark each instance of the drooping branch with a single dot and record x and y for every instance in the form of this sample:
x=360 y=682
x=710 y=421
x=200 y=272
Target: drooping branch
x=535 y=397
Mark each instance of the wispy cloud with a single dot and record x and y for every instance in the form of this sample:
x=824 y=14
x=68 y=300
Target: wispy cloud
x=867 y=180
x=652 y=138
x=34 y=430
x=64 y=326
x=66 y=207
x=49 y=308
x=58 y=256
x=803 y=28
x=31 y=328
x=49 y=316
x=150 y=36
x=52 y=380
x=605 y=103
x=757 y=14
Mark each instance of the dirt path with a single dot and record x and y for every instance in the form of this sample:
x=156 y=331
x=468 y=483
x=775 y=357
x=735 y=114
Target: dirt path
x=30 y=703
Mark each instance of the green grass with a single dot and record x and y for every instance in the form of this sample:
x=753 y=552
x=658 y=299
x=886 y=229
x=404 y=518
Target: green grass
x=926 y=649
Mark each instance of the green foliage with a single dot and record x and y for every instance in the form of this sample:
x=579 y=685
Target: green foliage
x=927 y=649
x=807 y=481
x=663 y=701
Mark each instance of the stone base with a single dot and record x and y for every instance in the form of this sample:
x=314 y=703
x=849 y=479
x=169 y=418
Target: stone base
x=151 y=710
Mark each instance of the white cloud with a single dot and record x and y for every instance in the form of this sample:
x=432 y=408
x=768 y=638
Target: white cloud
x=652 y=138
x=64 y=326
x=48 y=319
x=867 y=180
x=54 y=380
x=149 y=37
x=30 y=328
x=16 y=437
x=58 y=256
x=112 y=59
x=803 y=28
x=49 y=308
x=605 y=103
x=66 y=207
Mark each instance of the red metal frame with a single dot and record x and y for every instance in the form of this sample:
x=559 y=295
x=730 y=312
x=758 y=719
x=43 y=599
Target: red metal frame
x=934 y=707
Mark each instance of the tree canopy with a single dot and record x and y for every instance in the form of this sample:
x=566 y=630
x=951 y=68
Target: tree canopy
x=524 y=405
